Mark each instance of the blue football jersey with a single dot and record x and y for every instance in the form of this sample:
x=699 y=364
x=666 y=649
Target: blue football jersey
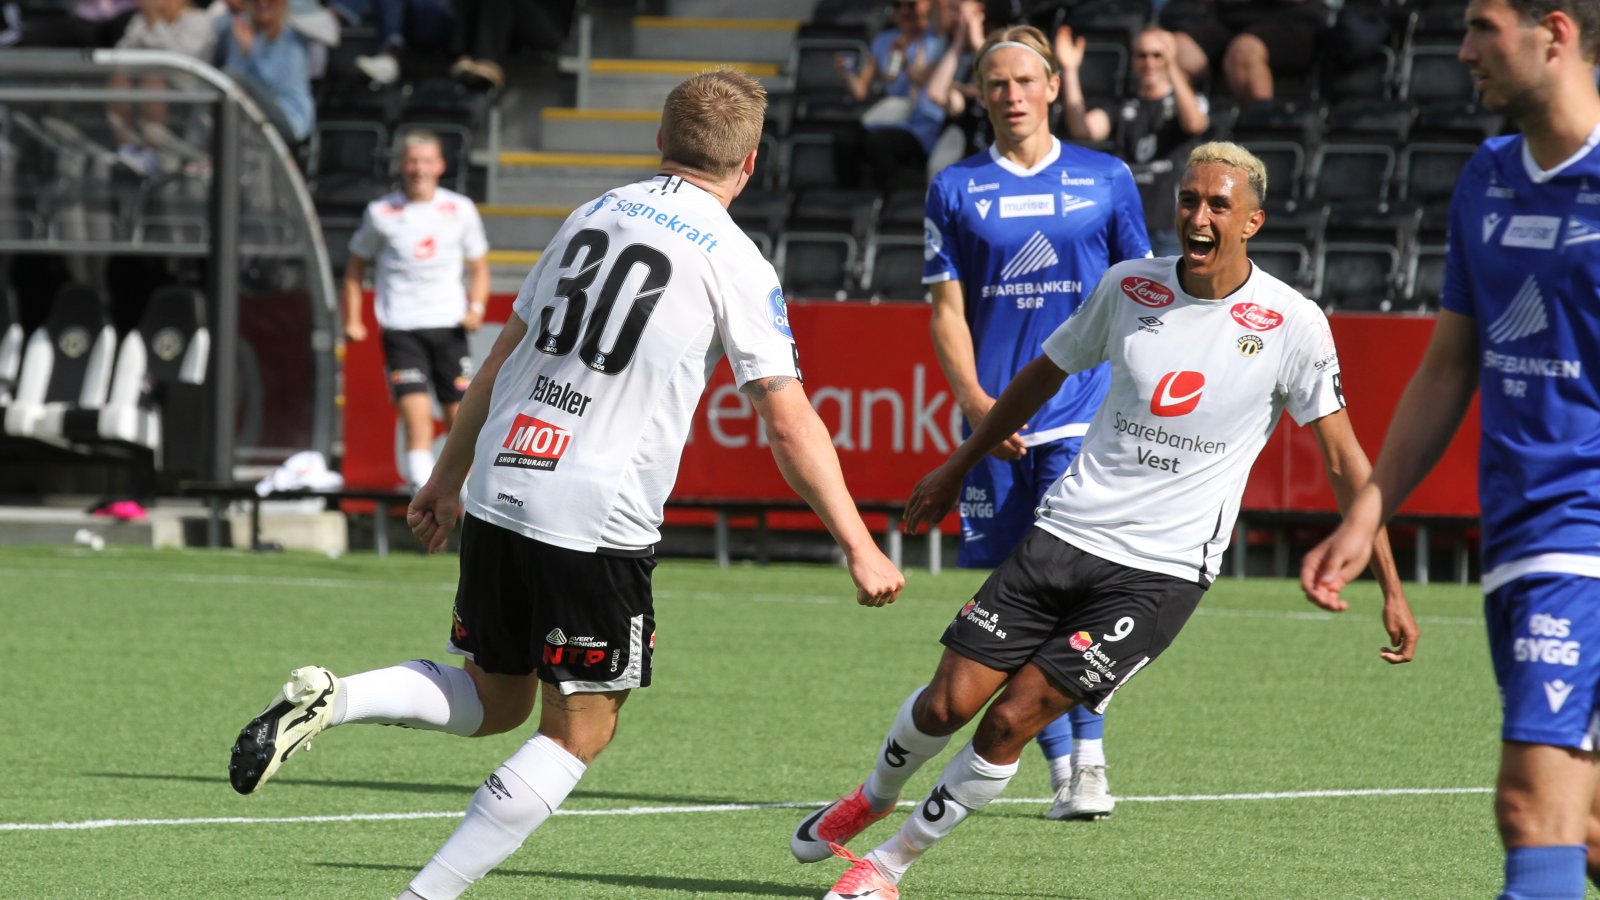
x=1028 y=246
x=1524 y=262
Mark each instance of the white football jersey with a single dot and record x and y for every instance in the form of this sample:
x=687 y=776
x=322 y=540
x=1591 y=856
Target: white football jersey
x=418 y=250
x=1196 y=389
x=634 y=301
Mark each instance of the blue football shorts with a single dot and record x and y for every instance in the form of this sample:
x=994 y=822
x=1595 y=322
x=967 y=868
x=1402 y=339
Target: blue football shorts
x=1544 y=641
x=999 y=499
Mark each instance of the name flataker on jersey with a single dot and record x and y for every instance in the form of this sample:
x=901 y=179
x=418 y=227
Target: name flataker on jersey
x=534 y=444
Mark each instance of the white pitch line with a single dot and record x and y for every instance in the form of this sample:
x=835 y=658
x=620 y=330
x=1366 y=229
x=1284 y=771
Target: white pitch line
x=96 y=824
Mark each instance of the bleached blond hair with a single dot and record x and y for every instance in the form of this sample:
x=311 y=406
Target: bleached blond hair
x=1227 y=153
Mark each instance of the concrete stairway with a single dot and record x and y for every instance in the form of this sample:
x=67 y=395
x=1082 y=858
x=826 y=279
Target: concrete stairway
x=608 y=138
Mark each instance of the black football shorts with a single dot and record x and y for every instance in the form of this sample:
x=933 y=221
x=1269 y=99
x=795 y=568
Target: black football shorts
x=584 y=621
x=1088 y=623
x=428 y=357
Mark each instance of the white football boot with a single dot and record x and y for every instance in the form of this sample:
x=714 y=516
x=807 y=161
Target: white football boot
x=297 y=714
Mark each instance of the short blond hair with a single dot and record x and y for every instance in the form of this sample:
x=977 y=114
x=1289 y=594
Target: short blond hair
x=1227 y=153
x=1026 y=35
x=712 y=121
x=418 y=137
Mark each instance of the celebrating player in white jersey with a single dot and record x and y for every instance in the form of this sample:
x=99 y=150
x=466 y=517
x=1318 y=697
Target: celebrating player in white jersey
x=572 y=433
x=419 y=238
x=1016 y=237
x=1519 y=319
x=1206 y=352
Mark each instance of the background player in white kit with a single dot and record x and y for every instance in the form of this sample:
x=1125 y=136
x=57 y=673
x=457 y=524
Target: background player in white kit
x=1518 y=317
x=572 y=433
x=420 y=237
x=1206 y=352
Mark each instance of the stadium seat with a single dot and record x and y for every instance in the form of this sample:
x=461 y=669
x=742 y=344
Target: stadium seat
x=1360 y=277
x=1447 y=123
x=1375 y=77
x=1105 y=68
x=1395 y=224
x=760 y=209
x=893 y=270
x=817 y=263
x=10 y=346
x=1289 y=263
x=780 y=113
x=810 y=162
x=1432 y=74
x=1426 y=279
x=1293 y=222
x=358 y=149
x=763 y=242
x=903 y=212
x=1286 y=166
x=65 y=362
x=769 y=163
x=1344 y=170
x=834 y=209
x=1429 y=171
x=155 y=385
x=812 y=63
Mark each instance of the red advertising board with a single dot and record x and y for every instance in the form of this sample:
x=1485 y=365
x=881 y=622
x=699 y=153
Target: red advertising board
x=871 y=372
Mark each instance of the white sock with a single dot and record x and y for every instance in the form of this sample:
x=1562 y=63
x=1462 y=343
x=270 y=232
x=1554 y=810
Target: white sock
x=515 y=800
x=902 y=753
x=967 y=785
x=419 y=465
x=418 y=694
x=1089 y=753
x=1061 y=772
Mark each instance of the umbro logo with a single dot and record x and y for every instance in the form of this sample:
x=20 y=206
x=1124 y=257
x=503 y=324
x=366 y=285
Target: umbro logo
x=497 y=787
x=555 y=638
x=1150 y=324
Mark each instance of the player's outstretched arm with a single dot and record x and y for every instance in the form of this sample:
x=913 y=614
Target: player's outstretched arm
x=935 y=495
x=804 y=452
x=433 y=511
x=1348 y=471
x=1430 y=411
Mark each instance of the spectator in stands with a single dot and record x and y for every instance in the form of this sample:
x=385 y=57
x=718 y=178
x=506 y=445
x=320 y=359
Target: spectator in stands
x=901 y=126
x=488 y=30
x=1250 y=42
x=1160 y=123
x=401 y=23
x=420 y=237
x=159 y=25
x=272 y=63
x=951 y=87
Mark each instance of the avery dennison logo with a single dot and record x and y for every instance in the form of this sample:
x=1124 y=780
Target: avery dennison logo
x=1524 y=316
x=1034 y=255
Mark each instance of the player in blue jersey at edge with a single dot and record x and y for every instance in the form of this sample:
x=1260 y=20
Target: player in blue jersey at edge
x=1520 y=318
x=1017 y=236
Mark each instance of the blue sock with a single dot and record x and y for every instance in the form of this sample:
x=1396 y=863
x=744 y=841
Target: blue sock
x=1545 y=873
x=1056 y=738
x=1086 y=723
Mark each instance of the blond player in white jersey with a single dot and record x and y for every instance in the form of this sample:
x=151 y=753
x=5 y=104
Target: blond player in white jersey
x=420 y=238
x=1206 y=351
x=572 y=433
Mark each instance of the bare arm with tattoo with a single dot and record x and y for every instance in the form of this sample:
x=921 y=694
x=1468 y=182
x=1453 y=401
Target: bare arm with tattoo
x=803 y=450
